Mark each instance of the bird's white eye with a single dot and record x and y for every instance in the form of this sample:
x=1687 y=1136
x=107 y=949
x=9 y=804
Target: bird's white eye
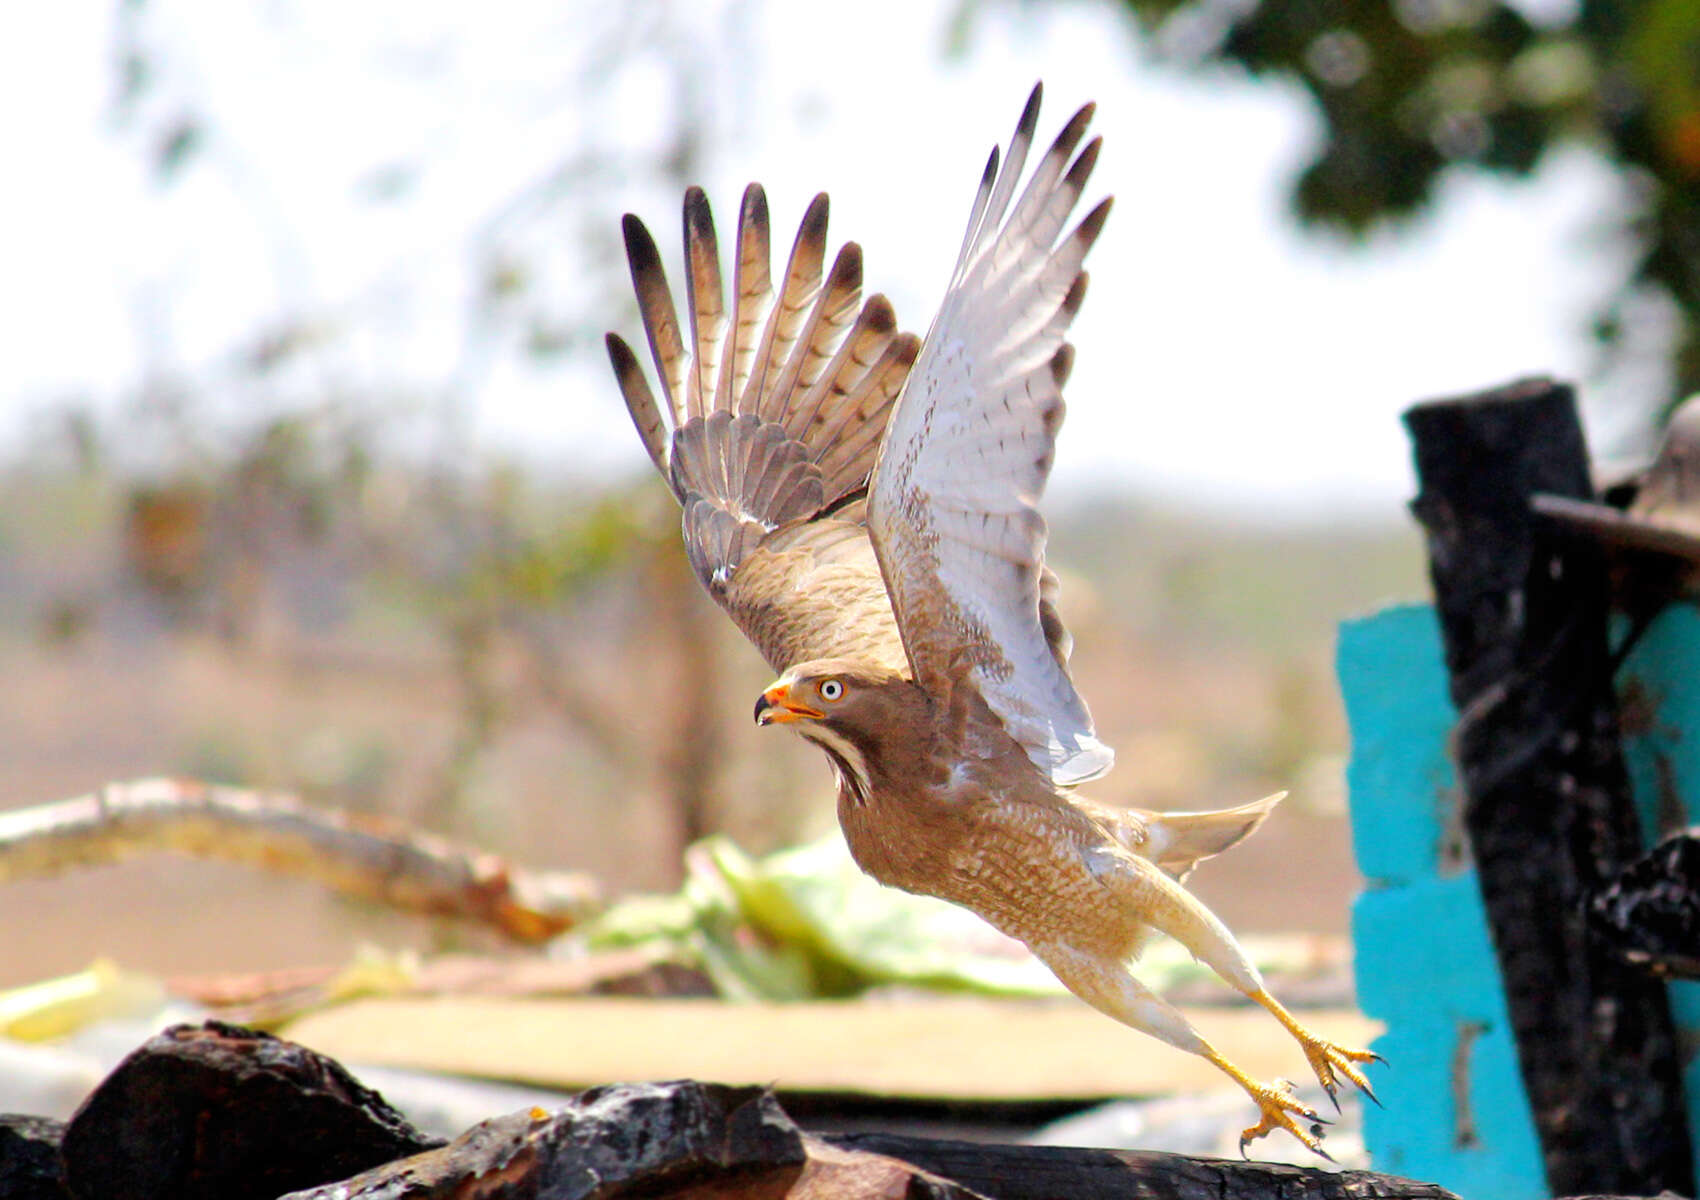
x=831 y=689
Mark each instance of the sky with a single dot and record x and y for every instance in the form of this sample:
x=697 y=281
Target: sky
x=1225 y=359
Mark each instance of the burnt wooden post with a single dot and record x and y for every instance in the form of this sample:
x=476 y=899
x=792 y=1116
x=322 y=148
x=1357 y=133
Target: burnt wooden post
x=1523 y=611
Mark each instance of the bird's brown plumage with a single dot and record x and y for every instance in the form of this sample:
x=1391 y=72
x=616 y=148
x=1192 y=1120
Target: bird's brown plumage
x=864 y=505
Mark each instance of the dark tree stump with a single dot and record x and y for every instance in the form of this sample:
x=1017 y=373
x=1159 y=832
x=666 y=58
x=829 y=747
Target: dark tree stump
x=1523 y=611
x=220 y=1111
x=30 y=1168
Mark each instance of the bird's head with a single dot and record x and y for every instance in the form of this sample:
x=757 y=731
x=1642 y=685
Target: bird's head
x=850 y=709
x=832 y=692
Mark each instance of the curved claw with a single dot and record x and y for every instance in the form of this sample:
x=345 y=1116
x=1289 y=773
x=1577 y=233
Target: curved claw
x=1276 y=1117
x=1279 y=1108
x=1329 y=1061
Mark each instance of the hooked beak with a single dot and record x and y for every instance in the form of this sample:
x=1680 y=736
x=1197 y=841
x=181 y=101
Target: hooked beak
x=775 y=707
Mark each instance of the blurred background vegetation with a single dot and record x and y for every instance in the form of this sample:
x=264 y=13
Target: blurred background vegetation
x=1408 y=90
x=271 y=570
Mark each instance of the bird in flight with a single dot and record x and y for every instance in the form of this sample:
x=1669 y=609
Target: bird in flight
x=863 y=504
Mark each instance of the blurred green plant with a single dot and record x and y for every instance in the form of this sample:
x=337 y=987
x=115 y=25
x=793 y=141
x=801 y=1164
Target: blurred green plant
x=805 y=923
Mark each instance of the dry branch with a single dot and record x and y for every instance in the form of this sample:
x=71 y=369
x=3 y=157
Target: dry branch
x=356 y=855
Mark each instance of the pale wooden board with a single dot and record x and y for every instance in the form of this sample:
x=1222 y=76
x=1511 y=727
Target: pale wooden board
x=949 y=1049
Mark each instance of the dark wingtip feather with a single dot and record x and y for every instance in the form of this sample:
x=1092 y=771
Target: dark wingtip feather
x=640 y=401
x=1093 y=225
x=1062 y=363
x=813 y=228
x=1030 y=112
x=754 y=204
x=1078 y=122
x=878 y=315
x=1075 y=298
x=641 y=252
x=1081 y=169
x=699 y=217
x=752 y=217
x=1069 y=137
x=627 y=370
x=624 y=362
x=847 y=267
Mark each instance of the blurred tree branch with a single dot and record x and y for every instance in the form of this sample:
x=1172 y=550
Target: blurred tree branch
x=355 y=855
x=1409 y=90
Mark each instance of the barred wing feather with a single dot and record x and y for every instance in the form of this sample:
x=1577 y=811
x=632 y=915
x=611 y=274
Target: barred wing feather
x=953 y=505
x=767 y=426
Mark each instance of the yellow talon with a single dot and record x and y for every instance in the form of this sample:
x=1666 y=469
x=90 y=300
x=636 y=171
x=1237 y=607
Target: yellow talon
x=1328 y=1060
x=1278 y=1107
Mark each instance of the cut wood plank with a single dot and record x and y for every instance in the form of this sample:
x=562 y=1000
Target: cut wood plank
x=943 y=1049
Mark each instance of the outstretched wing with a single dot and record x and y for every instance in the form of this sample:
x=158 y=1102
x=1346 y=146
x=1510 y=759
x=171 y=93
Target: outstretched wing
x=767 y=427
x=953 y=503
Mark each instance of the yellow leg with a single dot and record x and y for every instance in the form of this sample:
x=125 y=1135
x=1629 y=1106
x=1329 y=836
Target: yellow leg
x=1278 y=1107
x=1107 y=986
x=1329 y=1061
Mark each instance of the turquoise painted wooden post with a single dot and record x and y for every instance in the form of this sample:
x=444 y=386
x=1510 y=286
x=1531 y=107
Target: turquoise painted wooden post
x=1455 y=1113
x=1455 y=1110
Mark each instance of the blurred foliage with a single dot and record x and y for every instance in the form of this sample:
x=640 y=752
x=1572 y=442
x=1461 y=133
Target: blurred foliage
x=807 y=923
x=1409 y=89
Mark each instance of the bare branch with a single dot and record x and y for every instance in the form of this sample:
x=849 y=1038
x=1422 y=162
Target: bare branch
x=356 y=855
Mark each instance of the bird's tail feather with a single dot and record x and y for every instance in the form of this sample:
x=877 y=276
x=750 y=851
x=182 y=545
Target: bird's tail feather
x=1179 y=841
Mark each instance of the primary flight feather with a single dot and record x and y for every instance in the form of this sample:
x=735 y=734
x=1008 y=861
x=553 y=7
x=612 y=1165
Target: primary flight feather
x=864 y=504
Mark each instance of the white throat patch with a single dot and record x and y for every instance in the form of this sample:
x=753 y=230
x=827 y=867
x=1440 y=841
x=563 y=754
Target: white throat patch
x=847 y=760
